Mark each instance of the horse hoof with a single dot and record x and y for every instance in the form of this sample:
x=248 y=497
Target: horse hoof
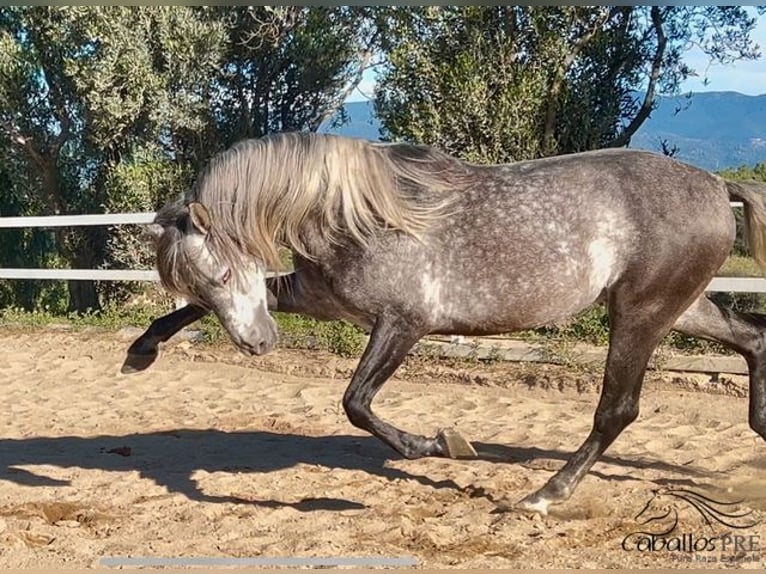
x=534 y=503
x=137 y=363
x=455 y=446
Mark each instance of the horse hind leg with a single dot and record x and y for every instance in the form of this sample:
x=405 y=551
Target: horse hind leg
x=741 y=332
x=637 y=324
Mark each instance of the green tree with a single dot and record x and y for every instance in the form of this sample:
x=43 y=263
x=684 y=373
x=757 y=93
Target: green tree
x=79 y=89
x=289 y=67
x=23 y=247
x=745 y=173
x=503 y=83
x=115 y=108
x=281 y=69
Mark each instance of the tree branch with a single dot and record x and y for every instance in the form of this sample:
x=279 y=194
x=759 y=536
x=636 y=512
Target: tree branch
x=329 y=111
x=280 y=20
x=558 y=81
x=21 y=140
x=646 y=107
x=66 y=130
x=45 y=163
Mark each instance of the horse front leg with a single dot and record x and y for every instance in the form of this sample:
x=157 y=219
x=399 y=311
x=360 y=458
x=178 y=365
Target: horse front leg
x=391 y=339
x=144 y=350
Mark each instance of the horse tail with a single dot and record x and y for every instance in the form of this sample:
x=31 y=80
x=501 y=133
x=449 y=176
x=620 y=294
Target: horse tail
x=753 y=196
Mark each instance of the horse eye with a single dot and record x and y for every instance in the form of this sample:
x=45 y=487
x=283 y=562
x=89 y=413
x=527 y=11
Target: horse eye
x=226 y=277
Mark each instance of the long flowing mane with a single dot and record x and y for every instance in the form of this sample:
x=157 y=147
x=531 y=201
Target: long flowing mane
x=261 y=192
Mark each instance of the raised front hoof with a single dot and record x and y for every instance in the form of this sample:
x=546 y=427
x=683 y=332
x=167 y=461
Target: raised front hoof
x=453 y=445
x=136 y=363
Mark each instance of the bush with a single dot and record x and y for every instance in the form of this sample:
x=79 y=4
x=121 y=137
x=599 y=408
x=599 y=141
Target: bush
x=339 y=337
x=143 y=182
x=591 y=326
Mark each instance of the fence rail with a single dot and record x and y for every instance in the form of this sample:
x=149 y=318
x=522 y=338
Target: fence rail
x=728 y=284
x=81 y=274
x=76 y=220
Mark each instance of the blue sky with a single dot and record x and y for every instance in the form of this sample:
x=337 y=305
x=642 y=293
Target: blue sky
x=747 y=77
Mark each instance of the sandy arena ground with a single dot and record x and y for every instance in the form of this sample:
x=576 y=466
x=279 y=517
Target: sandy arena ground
x=209 y=453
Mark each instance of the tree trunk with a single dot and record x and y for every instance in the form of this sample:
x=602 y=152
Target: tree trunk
x=82 y=296
x=82 y=253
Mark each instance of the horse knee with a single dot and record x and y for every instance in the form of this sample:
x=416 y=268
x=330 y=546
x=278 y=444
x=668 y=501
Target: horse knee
x=357 y=414
x=611 y=422
x=755 y=352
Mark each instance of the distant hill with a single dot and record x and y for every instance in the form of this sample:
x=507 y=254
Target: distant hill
x=362 y=122
x=713 y=130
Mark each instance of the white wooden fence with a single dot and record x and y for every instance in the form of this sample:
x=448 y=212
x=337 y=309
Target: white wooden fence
x=730 y=284
x=78 y=221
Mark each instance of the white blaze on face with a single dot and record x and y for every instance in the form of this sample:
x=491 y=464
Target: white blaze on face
x=247 y=298
x=238 y=301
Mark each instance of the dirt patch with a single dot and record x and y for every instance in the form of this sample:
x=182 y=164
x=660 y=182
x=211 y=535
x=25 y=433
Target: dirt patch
x=209 y=453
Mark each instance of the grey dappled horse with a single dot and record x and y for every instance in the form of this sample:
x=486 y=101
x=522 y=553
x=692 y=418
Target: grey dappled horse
x=406 y=241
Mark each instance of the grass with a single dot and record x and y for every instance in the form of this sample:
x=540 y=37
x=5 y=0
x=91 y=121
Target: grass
x=296 y=331
x=740 y=266
x=338 y=337
x=111 y=318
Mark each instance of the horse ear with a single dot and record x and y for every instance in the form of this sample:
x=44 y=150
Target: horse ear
x=200 y=217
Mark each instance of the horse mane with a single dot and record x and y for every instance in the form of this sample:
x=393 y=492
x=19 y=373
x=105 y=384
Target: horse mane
x=262 y=192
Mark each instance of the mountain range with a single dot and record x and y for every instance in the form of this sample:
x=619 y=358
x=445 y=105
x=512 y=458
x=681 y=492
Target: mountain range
x=713 y=130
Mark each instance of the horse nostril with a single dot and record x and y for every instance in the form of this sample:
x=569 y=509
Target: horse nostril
x=261 y=348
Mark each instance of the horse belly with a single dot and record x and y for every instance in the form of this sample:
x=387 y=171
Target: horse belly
x=495 y=315
x=561 y=280
x=485 y=308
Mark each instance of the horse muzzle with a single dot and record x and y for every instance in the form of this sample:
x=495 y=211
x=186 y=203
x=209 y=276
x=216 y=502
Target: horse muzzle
x=259 y=341
x=256 y=345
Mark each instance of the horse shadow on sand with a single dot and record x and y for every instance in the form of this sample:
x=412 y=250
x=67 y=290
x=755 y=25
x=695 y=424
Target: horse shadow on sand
x=170 y=459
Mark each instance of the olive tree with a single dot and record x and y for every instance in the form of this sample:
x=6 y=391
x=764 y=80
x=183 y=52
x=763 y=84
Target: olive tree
x=500 y=83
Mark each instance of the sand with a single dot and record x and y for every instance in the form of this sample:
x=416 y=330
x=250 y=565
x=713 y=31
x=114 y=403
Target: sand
x=209 y=453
